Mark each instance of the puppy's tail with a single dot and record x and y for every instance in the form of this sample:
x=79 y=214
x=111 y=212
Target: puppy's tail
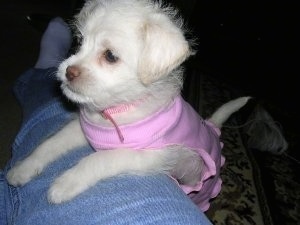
x=225 y=111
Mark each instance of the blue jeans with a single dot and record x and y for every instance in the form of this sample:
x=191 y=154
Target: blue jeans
x=120 y=200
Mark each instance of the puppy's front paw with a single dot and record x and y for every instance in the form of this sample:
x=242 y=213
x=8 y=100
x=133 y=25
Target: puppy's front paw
x=66 y=187
x=23 y=172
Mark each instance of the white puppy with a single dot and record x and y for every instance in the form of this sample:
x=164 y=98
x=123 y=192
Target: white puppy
x=127 y=81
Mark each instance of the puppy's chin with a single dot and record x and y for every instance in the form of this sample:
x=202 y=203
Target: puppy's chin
x=74 y=96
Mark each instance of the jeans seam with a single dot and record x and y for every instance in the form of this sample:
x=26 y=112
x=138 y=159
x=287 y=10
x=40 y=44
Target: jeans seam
x=15 y=203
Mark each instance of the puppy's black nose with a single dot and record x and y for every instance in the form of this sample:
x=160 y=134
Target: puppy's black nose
x=72 y=72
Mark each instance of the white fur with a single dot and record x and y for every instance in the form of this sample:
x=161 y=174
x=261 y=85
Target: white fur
x=148 y=40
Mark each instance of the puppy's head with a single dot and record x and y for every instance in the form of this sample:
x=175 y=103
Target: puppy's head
x=126 y=46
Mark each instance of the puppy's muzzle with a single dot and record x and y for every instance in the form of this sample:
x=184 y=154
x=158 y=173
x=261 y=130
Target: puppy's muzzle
x=72 y=72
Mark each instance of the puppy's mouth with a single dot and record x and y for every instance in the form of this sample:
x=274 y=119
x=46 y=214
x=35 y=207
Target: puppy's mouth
x=74 y=95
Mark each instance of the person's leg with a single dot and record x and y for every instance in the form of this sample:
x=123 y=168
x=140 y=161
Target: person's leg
x=119 y=200
x=38 y=90
x=54 y=47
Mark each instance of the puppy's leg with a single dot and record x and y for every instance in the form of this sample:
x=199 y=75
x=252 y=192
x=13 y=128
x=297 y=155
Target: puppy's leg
x=188 y=167
x=104 y=164
x=59 y=144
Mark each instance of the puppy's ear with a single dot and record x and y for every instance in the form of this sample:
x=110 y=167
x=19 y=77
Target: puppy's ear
x=165 y=48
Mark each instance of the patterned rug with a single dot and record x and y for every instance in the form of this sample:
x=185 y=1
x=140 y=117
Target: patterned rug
x=246 y=197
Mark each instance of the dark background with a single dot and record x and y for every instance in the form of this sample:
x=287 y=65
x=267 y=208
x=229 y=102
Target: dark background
x=252 y=45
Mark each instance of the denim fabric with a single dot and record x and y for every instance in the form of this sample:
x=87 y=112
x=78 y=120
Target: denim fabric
x=2 y=199
x=119 y=200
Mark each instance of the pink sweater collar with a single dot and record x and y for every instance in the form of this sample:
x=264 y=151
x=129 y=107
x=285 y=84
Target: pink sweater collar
x=133 y=133
x=109 y=112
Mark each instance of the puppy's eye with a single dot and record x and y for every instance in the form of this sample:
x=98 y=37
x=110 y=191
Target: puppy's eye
x=110 y=57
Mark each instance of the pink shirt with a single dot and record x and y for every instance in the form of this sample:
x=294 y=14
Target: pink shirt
x=178 y=124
